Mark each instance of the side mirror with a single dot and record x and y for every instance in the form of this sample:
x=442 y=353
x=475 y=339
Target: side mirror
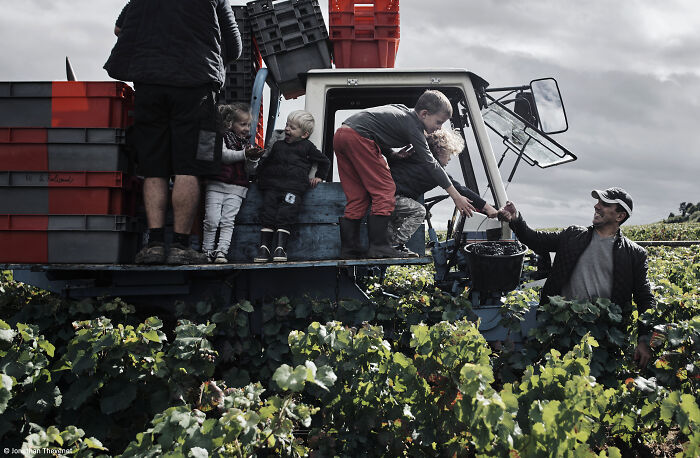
x=549 y=105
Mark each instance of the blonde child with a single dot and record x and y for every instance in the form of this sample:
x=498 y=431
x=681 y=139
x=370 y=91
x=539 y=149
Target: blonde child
x=283 y=177
x=226 y=191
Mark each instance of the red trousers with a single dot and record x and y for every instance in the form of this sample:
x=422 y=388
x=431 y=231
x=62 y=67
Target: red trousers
x=364 y=174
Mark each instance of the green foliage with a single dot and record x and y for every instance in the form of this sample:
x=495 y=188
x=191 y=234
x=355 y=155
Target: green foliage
x=562 y=323
x=243 y=425
x=51 y=442
x=405 y=375
x=661 y=231
x=561 y=403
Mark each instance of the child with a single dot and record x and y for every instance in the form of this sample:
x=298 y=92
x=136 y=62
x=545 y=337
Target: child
x=365 y=176
x=283 y=177
x=226 y=191
x=412 y=180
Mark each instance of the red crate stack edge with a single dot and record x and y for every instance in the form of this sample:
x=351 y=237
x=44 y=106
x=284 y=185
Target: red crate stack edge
x=364 y=34
x=63 y=160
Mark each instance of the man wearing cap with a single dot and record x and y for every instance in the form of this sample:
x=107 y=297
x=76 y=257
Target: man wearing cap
x=594 y=262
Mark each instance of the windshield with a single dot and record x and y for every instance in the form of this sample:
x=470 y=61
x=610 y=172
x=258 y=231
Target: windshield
x=537 y=148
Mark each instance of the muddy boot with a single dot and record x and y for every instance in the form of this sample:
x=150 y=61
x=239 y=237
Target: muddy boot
x=379 y=246
x=265 y=244
x=280 y=253
x=350 y=239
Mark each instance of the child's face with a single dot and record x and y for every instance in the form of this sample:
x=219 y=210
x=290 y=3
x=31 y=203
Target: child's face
x=294 y=133
x=443 y=157
x=434 y=121
x=241 y=126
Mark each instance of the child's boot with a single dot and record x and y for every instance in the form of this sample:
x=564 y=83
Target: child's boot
x=379 y=246
x=280 y=253
x=265 y=244
x=350 y=238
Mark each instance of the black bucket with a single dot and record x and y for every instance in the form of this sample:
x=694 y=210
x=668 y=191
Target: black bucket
x=495 y=266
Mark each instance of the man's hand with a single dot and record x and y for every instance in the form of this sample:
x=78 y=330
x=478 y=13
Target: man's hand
x=508 y=213
x=253 y=152
x=464 y=205
x=642 y=355
x=314 y=181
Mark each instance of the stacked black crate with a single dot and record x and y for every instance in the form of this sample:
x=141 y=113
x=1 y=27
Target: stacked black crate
x=240 y=75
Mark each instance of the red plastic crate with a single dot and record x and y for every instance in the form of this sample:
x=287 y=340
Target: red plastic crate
x=349 y=5
x=67 y=238
x=365 y=54
x=91 y=104
x=364 y=34
x=23 y=149
x=69 y=193
x=23 y=238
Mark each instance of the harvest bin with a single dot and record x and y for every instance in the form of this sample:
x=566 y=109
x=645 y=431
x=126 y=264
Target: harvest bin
x=63 y=149
x=66 y=104
x=364 y=34
x=68 y=239
x=65 y=193
x=292 y=39
x=495 y=272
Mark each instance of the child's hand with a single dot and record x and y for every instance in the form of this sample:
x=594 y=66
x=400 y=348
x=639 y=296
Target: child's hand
x=314 y=181
x=253 y=152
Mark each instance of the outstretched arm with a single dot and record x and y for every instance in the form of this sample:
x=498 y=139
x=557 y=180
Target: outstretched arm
x=536 y=240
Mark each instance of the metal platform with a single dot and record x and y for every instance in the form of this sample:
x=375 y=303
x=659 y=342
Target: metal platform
x=161 y=285
x=221 y=267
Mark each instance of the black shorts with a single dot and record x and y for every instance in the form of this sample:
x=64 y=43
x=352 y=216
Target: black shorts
x=175 y=130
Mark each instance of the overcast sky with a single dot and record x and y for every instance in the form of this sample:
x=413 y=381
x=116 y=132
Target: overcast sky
x=629 y=73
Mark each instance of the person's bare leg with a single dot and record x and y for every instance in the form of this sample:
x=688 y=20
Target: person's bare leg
x=185 y=202
x=155 y=199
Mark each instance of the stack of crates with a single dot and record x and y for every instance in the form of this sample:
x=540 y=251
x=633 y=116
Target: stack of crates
x=240 y=75
x=365 y=34
x=292 y=38
x=66 y=195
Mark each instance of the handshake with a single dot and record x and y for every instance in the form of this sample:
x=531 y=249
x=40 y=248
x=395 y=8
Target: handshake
x=253 y=152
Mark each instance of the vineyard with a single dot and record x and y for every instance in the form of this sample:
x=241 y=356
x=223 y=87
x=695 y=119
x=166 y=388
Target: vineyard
x=406 y=375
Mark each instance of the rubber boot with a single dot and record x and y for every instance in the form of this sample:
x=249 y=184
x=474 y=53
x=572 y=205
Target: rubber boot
x=280 y=253
x=265 y=244
x=350 y=239
x=379 y=246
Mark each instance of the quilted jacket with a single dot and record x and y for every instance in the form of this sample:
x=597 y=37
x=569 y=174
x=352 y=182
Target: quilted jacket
x=183 y=43
x=629 y=264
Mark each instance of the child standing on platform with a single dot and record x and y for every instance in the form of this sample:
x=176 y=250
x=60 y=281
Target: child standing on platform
x=283 y=177
x=226 y=191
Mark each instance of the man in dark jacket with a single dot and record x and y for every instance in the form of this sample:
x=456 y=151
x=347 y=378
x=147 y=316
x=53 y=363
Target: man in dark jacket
x=594 y=262
x=173 y=52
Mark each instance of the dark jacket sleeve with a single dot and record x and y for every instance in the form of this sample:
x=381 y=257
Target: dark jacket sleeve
x=537 y=241
x=323 y=163
x=641 y=291
x=229 y=31
x=476 y=199
x=122 y=16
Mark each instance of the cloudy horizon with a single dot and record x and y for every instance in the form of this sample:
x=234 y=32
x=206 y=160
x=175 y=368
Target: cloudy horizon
x=628 y=72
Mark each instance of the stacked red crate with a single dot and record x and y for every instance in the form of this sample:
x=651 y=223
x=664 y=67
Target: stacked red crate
x=365 y=34
x=62 y=155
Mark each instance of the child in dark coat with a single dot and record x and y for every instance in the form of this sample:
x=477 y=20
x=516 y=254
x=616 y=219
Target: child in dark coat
x=283 y=177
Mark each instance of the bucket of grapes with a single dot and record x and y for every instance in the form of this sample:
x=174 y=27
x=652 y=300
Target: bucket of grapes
x=495 y=266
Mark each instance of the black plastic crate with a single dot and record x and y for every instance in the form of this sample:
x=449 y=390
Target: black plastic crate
x=285 y=26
